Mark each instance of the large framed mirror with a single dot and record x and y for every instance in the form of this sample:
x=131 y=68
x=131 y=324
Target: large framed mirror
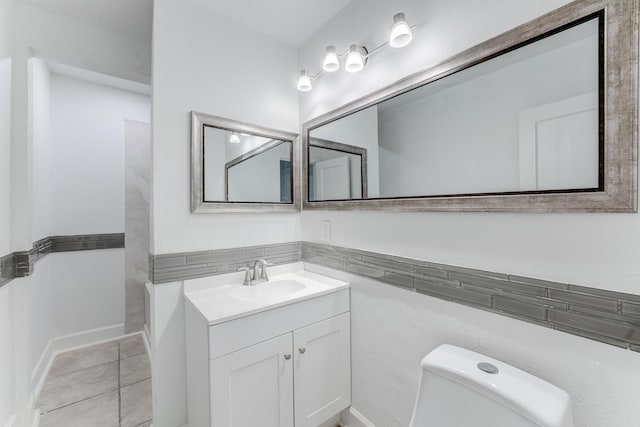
x=239 y=167
x=542 y=118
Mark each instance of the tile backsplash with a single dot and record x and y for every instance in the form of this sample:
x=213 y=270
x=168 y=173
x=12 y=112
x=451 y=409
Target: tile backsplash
x=606 y=316
x=190 y=265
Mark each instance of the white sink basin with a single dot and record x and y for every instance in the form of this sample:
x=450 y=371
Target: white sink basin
x=223 y=302
x=267 y=290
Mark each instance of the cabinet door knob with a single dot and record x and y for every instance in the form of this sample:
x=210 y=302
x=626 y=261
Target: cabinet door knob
x=287 y=356
x=302 y=350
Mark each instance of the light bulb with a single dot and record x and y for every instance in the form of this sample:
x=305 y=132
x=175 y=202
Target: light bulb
x=330 y=63
x=234 y=138
x=304 y=82
x=401 y=34
x=355 y=59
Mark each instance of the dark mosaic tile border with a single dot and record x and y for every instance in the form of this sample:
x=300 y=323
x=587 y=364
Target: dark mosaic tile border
x=191 y=265
x=598 y=314
x=7 y=268
x=21 y=264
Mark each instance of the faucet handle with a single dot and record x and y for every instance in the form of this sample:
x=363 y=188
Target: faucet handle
x=263 y=270
x=247 y=275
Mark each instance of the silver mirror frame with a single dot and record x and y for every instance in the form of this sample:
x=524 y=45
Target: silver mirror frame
x=198 y=205
x=620 y=119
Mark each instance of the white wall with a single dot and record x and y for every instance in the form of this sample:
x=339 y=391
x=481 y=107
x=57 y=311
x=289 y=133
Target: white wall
x=597 y=250
x=392 y=330
x=6 y=47
x=67 y=41
x=40 y=141
x=7 y=389
x=87 y=156
x=87 y=291
x=198 y=66
x=5 y=154
x=6 y=356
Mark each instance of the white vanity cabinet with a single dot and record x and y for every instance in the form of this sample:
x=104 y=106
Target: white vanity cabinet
x=283 y=367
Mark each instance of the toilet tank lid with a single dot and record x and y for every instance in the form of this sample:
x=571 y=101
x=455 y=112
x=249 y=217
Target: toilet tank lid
x=535 y=399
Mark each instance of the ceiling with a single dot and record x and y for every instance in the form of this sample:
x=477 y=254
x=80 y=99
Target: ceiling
x=132 y=18
x=290 y=21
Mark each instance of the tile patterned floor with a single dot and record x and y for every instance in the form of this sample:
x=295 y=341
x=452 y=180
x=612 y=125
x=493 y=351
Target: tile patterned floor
x=104 y=385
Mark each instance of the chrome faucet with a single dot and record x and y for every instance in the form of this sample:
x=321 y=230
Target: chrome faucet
x=260 y=271
x=258 y=275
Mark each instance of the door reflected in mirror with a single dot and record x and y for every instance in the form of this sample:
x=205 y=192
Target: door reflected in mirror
x=526 y=121
x=336 y=171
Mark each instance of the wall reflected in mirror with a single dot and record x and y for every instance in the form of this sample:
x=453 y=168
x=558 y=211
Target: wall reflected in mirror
x=528 y=120
x=242 y=167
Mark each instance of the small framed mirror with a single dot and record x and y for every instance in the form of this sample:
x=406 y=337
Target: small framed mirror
x=542 y=118
x=239 y=167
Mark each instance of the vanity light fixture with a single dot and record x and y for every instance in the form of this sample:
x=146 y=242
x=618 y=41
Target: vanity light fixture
x=356 y=59
x=304 y=82
x=331 y=62
x=234 y=138
x=401 y=35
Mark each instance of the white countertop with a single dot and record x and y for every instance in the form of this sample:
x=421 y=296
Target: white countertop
x=224 y=298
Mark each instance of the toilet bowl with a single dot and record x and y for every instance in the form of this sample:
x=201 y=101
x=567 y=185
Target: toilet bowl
x=461 y=388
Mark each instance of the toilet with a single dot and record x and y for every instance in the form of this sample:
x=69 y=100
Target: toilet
x=461 y=388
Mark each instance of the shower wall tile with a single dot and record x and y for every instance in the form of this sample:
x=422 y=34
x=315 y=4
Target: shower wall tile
x=137 y=220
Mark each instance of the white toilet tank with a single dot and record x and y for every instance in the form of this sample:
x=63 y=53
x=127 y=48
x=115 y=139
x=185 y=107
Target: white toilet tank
x=461 y=388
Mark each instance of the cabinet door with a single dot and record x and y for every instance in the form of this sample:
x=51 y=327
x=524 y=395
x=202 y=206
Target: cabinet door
x=254 y=386
x=322 y=371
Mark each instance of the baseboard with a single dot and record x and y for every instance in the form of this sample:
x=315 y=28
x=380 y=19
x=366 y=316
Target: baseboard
x=69 y=342
x=352 y=418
